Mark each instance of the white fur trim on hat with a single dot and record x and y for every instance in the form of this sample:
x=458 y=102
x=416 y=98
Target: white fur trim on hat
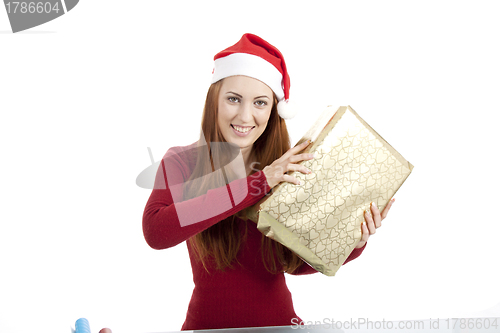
x=252 y=66
x=286 y=110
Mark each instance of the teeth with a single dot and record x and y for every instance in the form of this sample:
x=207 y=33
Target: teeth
x=242 y=129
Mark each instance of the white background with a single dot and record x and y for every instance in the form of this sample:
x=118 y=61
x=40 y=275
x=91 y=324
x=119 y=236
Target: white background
x=83 y=96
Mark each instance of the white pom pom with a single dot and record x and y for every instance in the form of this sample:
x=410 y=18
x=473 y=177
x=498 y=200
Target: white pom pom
x=286 y=110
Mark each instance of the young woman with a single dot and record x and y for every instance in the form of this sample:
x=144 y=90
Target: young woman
x=202 y=190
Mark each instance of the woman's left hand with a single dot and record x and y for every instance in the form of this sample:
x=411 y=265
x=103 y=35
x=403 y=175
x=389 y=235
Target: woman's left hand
x=373 y=222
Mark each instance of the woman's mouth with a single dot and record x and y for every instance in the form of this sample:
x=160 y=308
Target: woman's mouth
x=242 y=130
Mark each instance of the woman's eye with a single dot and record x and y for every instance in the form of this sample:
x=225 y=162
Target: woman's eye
x=233 y=99
x=261 y=103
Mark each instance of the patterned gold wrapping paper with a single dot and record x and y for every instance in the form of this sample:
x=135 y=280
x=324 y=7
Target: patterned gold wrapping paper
x=320 y=220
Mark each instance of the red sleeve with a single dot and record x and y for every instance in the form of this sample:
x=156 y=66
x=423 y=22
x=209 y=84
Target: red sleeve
x=168 y=221
x=306 y=269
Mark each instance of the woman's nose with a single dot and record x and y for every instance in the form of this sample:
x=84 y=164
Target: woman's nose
x=246 y=112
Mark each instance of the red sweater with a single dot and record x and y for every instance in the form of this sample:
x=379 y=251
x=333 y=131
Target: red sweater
x=246 y=295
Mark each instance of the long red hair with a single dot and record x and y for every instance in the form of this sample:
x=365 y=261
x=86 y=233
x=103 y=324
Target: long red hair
x=221 y=242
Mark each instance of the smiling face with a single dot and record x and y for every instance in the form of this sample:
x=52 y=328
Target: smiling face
x=244 y=107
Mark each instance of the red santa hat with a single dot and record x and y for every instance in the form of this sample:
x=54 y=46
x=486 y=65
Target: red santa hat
x=254 y=57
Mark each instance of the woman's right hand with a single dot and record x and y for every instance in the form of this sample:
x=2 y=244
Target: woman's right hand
x=277 y=171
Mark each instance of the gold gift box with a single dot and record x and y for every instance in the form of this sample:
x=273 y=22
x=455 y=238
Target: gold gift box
x=320 y=220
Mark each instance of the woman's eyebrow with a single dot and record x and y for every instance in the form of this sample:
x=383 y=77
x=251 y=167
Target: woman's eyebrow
x=230 y=92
